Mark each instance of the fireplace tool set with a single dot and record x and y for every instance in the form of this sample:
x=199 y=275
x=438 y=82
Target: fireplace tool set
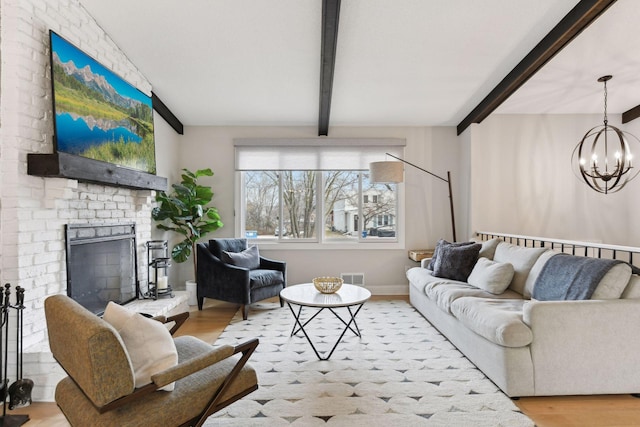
x=19 y=392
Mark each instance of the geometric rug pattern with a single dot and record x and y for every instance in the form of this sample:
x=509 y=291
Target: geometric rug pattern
x=401 y=372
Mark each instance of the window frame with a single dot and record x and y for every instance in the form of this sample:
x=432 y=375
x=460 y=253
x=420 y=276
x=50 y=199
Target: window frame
x=320 y=241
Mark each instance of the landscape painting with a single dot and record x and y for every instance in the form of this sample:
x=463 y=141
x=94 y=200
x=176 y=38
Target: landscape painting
x=97 y=114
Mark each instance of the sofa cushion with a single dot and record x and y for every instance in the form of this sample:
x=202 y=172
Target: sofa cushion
x=260 y=278
x=445 y=292
x=249 y=258
x=535 y=271
x=456 y=262
x=570 y=277
x=612 y=285
x=441 y=243
x=614 y=282
x=521 y=258
x=492 y=276
x=632 y=290
x=488 y=246
x=499 y=321
x=420 y=277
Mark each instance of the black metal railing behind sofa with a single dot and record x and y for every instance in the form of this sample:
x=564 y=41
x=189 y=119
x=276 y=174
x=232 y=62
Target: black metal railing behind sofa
x=628 y=254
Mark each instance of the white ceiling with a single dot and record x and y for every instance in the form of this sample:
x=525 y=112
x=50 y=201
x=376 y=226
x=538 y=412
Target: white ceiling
x=400 y=62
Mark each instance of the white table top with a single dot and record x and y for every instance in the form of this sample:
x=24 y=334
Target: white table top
x=306 y=294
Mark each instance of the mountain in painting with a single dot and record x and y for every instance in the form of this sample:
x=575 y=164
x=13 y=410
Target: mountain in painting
x=95 y=82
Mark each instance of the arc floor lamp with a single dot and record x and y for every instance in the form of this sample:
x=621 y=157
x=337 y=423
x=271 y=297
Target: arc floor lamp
x=392 y=172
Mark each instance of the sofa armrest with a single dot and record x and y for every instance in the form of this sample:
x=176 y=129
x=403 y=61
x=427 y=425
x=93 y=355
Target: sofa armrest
x=589 y=346
x=216 y=279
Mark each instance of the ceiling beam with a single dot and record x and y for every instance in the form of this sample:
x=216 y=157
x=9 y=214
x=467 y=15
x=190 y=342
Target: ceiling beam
x=631 y=114
x=579 y=18
x=330 y=15
x=166 y=114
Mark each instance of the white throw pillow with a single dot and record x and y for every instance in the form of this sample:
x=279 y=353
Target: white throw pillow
x=492 y=276
x=148 y=342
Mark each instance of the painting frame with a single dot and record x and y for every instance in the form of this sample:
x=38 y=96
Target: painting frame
x=96 y=113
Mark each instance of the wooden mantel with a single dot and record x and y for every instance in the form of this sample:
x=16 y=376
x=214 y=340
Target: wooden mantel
x=63 y=165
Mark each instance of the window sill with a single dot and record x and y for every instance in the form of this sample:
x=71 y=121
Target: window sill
x=331 y=246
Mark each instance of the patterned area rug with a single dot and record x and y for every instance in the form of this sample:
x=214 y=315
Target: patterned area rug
x=402 y=372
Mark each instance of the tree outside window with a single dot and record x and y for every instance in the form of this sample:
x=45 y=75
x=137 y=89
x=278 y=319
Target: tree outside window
x=285 y=204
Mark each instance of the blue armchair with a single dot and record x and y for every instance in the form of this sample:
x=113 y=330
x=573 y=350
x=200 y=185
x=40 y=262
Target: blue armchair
x=224 y=281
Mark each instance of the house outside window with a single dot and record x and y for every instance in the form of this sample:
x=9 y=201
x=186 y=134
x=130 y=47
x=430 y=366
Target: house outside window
x=285 y=205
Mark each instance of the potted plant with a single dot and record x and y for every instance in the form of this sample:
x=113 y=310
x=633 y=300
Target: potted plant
x=185 y=211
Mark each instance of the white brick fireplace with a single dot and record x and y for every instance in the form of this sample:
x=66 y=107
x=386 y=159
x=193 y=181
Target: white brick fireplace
x=34 y=210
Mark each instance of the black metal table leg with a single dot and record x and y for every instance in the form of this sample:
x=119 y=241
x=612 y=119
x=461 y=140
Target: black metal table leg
x=300 y=326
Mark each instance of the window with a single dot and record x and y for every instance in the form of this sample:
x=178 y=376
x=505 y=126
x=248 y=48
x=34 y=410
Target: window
x=315 y=190
x=286 y=205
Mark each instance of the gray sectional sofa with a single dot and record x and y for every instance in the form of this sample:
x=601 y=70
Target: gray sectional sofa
x=529 y=347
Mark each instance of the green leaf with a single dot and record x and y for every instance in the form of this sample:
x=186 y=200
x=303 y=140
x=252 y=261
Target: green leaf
x=181 y=251
x=204 y=194
x=212 y=213
x=204 y=172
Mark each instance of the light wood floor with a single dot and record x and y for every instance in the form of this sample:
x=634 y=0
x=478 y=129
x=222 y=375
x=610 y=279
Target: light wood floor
x=566 y=411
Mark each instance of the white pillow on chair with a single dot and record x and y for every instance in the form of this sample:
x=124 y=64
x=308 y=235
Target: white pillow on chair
x=148 y=342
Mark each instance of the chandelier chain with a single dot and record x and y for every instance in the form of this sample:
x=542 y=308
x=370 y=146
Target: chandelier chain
x=606 y=120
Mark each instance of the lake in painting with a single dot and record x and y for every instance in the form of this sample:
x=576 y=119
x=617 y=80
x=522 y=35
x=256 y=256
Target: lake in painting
x=75 y=135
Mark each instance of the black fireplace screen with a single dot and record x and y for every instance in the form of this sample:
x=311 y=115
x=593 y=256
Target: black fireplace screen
x=101 y=264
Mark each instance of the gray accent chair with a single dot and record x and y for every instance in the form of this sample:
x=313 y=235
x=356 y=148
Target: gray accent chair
x=219 y=280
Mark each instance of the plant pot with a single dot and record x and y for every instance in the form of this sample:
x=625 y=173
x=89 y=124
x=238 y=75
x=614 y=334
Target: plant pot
x=192 y=290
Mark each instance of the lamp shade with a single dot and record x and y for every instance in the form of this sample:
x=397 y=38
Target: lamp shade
x=386 y=172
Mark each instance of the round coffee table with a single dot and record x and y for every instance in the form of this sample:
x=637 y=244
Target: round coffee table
x=306 y=295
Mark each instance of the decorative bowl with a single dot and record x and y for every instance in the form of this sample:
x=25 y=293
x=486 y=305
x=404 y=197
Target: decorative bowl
x=328 y=285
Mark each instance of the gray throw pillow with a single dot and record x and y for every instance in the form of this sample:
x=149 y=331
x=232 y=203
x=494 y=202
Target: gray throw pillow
x=456 y=262
x=439 y=245
x=249 y=258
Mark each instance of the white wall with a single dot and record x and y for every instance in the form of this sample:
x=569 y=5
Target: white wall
x=522 y=181
x=426 y=215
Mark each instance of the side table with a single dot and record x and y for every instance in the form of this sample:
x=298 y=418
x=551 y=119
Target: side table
x=418 y=255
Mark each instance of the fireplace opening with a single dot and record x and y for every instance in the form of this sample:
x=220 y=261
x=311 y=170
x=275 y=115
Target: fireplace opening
x=102 y=264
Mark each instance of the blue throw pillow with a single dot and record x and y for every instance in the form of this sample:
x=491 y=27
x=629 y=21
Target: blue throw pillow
x=249 y=258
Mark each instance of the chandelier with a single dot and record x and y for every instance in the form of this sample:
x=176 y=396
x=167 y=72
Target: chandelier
x=603 y=157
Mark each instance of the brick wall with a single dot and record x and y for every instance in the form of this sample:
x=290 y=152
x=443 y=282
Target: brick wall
x=33 y=210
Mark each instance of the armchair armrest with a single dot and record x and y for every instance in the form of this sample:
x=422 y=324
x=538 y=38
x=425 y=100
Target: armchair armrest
x=271 y=264
x=195 y=364
x=202 y=361
x=178 y=320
